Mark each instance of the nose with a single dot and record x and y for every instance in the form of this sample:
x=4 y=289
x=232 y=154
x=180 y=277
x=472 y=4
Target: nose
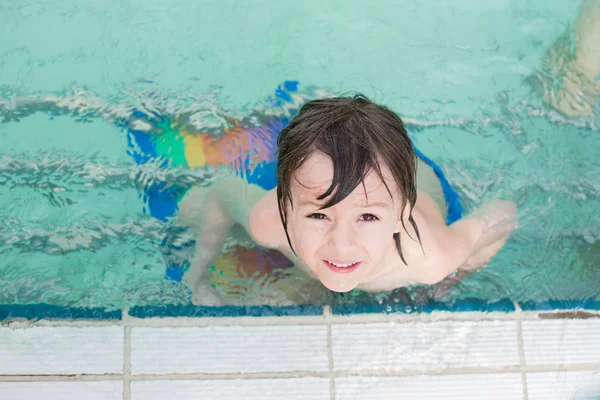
x=342 y=238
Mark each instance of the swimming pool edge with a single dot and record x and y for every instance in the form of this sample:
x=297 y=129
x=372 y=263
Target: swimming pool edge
x=41 y=311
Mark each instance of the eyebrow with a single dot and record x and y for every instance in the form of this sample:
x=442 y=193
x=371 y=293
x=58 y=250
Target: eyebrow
x=362 y=205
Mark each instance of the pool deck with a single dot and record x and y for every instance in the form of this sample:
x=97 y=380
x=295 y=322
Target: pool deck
x=426 y=355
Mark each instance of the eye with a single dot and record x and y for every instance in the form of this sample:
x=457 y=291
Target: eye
x=317 y=216
x=369 y=218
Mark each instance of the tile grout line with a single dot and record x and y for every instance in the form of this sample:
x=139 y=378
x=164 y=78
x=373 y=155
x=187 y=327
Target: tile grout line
x=289 y=320
x=126 y=355
x=373 y=372
x=179 y=322
x=521 y=347
x=327 y=316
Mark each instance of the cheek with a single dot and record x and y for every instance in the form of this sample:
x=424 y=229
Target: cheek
x=374 y=241
x=308 y=236
x=377 y=237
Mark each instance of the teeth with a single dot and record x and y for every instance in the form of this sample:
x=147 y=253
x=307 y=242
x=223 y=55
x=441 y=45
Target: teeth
x=341 y=265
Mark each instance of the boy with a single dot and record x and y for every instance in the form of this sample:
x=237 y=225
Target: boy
x=353 y=207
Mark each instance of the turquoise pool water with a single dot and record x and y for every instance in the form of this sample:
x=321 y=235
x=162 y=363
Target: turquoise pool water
x=73 y=226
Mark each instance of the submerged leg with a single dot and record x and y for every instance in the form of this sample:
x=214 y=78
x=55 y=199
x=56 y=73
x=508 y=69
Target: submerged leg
x=570 y=82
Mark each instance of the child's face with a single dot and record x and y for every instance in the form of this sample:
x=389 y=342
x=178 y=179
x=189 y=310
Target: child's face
x=355 y=234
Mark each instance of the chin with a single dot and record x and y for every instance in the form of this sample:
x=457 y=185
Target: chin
x=336 y=282
x=339 y=287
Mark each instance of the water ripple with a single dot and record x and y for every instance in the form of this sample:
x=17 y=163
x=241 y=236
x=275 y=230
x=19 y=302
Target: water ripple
x=44 y=170
x=94 y=235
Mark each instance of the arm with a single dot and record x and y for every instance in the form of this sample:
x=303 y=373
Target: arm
x=468 y=243
x=237 y=198
x=210 y=213
x=484 y=233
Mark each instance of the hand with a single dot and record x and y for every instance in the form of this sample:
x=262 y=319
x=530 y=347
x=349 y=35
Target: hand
x=441 y=290
x=203 y=294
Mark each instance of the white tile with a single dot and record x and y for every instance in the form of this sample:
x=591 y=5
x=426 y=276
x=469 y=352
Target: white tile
x=61 y=350
x=561 y=341
x=222 y=349
x=571 y=385
x=107 y=390
x=459 y=387
x=424 y=346
x=235 y=389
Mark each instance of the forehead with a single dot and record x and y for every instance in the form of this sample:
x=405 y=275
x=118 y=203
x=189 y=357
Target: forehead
x=315 y=176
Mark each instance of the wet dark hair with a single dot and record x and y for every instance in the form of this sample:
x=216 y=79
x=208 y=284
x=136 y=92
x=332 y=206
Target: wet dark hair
x=357 y=134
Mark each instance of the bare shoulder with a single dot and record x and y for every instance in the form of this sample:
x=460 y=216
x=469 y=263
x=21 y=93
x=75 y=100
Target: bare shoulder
x=265 y=222
x=440 y=249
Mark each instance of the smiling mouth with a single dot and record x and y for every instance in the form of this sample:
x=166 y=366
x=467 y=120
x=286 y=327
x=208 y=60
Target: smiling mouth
x=342 y=268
